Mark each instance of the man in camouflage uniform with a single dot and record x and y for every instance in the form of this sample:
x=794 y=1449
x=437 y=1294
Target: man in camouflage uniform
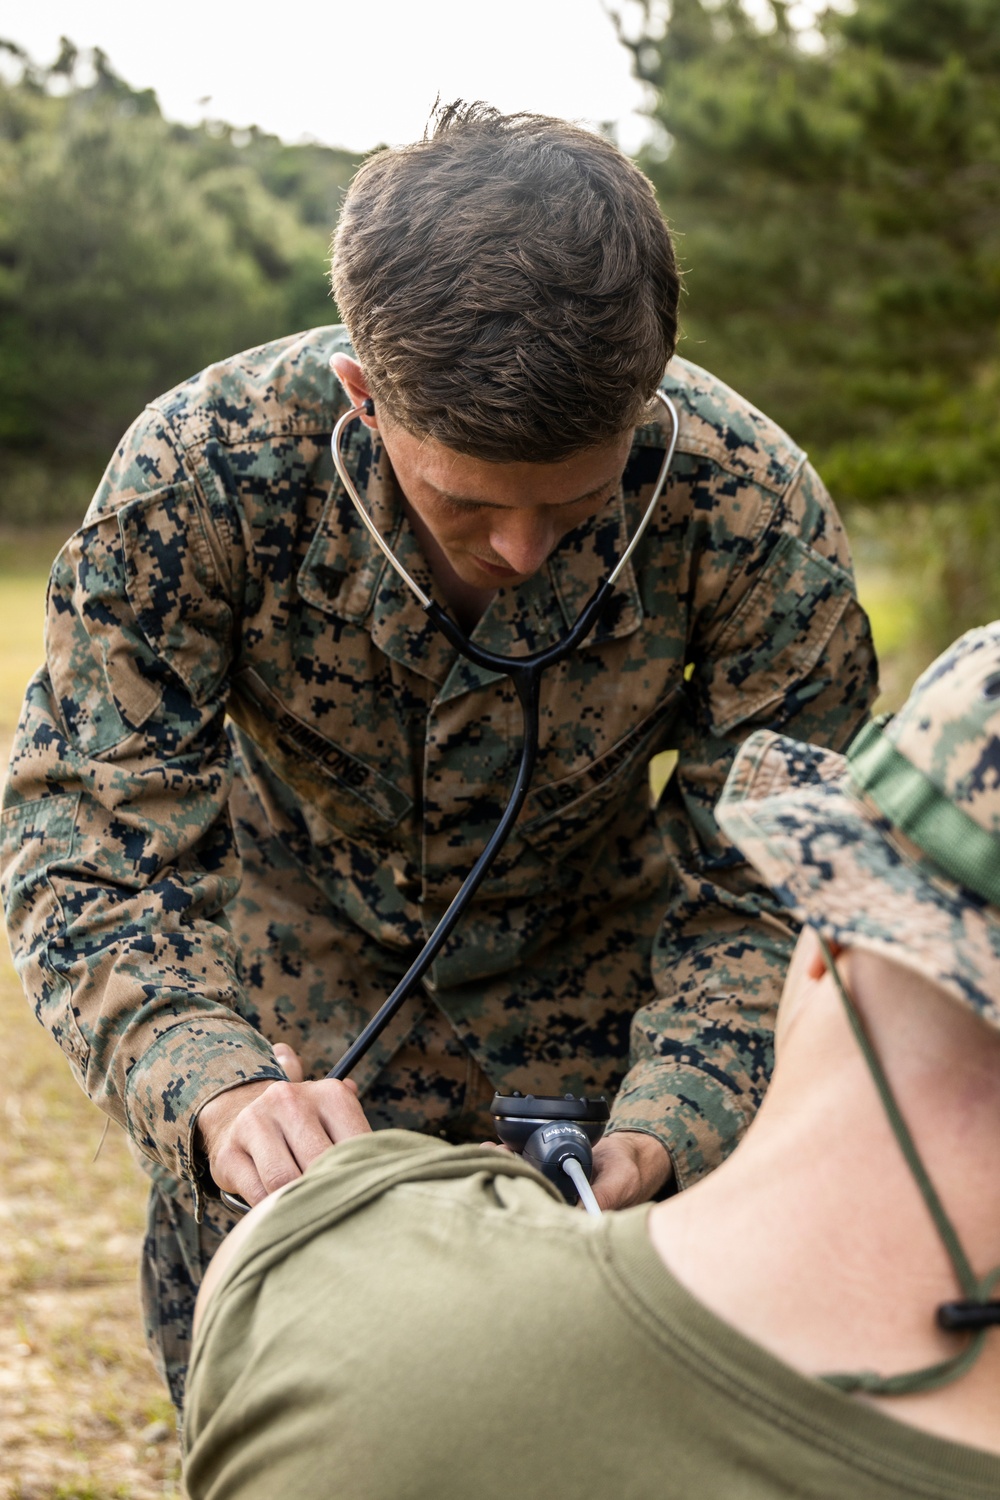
x=251 y=776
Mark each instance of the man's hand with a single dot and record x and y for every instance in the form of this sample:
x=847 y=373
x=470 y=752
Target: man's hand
x=260 y=1136
x=629 y=1168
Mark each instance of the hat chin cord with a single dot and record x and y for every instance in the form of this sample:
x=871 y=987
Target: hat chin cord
x=974 y=1313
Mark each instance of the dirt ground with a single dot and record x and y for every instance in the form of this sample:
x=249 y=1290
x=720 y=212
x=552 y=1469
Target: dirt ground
x=82 y=1413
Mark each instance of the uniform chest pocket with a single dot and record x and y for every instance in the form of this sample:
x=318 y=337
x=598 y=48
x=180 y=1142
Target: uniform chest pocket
x=570 y=813
x=348 y=794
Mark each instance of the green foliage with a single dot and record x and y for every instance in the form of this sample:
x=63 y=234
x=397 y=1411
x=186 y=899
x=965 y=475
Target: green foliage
x=838 y=209
x=132 y=253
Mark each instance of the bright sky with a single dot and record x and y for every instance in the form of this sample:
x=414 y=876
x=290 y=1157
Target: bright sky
x=352 y=74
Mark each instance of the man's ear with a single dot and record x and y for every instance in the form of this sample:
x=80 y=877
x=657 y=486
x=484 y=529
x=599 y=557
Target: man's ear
x=816 y=965
x=355 y=383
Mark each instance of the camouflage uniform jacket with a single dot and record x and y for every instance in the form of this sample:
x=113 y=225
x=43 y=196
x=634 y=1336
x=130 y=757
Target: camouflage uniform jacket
x=221 y=570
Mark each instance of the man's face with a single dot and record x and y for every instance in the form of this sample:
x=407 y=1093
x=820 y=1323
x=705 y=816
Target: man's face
x=497 y=523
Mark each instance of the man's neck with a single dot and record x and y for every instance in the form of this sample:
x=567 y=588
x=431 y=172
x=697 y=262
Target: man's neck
x=813 y=1239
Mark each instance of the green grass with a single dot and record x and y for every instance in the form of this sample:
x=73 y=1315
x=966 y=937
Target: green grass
x=897 y=627
x=22 y=608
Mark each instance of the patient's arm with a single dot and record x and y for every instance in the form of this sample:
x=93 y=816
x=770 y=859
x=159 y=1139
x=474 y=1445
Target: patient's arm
x=229 y=1247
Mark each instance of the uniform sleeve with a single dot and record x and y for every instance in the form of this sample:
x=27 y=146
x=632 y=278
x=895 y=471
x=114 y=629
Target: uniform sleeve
x=118 y=854
x=784 y=645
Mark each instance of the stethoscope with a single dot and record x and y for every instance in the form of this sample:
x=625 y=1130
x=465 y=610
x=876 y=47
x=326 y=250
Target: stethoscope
x=525 y=672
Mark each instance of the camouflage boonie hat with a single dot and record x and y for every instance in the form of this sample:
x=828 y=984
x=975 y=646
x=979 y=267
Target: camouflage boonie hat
x=894 y=847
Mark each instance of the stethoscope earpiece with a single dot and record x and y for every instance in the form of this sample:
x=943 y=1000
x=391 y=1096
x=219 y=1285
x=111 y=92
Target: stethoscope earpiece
x=369 y=407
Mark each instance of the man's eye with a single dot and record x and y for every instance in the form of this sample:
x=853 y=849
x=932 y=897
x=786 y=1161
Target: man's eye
x=593 y=504
x=464 y=507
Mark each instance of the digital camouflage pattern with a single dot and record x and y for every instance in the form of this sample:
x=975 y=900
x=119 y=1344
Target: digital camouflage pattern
x=221 y=571
x=894 y=847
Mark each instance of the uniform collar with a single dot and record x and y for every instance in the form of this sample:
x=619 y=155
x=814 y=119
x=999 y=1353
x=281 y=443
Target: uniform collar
x=345 y=575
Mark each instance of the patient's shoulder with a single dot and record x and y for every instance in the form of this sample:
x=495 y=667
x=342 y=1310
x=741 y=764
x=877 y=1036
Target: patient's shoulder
x=357 y=1175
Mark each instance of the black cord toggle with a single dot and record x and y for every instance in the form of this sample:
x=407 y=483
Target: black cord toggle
x=967 y=1316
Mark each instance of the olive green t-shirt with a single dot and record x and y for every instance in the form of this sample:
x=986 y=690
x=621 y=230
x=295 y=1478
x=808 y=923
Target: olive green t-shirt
x=416 y=1321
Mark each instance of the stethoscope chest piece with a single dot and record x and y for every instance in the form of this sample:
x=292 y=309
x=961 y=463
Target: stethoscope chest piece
x=556 y=1134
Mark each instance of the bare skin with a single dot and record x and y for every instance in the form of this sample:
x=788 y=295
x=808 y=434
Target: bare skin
x=812 y=1238
x=482 y=526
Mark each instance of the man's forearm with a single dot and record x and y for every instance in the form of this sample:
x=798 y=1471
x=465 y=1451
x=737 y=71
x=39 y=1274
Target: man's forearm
x=629 y=1168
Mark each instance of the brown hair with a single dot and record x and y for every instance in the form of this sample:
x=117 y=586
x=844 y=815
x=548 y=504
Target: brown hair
x=509 y=285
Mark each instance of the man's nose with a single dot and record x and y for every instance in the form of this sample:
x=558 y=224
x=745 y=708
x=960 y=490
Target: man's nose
x=524 y=540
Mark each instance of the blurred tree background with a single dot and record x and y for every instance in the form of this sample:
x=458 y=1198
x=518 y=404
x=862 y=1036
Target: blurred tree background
x=133 y=252
x=834 y=181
